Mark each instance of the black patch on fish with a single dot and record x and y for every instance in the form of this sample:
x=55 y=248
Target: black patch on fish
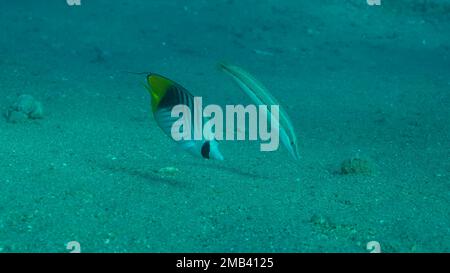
x=206 y=148
x=176 y=95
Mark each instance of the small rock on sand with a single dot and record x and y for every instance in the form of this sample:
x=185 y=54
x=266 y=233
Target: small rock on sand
x=26 y=107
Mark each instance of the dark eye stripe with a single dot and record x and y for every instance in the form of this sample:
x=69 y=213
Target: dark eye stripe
x=206 y=149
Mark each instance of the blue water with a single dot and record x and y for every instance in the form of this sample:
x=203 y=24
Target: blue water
x=82 y=159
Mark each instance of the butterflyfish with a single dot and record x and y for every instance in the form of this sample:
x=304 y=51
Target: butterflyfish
x=165 y=95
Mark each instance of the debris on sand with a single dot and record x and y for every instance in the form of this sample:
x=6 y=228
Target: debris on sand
x=357 y=165
x=26 y=107
x=168 y=171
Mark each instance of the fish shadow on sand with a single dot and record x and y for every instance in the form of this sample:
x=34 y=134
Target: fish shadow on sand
x=147 y=175
x=154 y=177
x=232 y=170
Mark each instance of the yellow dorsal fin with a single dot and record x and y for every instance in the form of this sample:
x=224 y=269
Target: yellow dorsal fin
x=157 y=87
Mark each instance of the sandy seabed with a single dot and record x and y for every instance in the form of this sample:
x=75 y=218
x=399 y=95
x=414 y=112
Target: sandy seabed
x=358 y=81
